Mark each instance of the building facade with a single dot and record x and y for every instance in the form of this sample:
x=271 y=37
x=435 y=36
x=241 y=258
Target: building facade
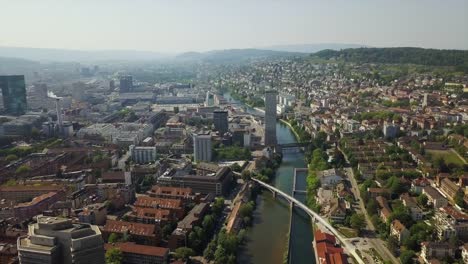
x=270 y=118
x=126 y=84
x=202 y=147
x=57 y=240
x=14 y=94
x=143 y=155
x=220 y=121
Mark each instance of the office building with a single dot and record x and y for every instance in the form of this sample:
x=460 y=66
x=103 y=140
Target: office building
x=14 y=94
x=270 y=118
x=220 y=121
x=142 y=155
x=57 y=240
x=126 y=84
x=202 y=147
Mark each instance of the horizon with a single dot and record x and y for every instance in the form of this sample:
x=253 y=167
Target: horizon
x=172 y=27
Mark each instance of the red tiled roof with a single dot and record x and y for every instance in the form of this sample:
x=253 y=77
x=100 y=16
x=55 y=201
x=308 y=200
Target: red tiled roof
x=113 y=226
x=129 y=247
x=145 y=201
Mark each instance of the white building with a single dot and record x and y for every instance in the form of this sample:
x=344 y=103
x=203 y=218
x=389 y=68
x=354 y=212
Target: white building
x=142 y=155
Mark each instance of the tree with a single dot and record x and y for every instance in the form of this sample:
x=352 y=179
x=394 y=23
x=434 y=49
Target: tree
x=220 y=255
x=392 y=243
x=209 y=251
x=23 y=169
x=460 y=199
x=184 y=253
x=11 y=158
x=113 y=238
x=422 y=199
x=357 y=221
x=114 y=256
x=246 y=175
x=218 y=206
x=407 y=256
x=208 y=222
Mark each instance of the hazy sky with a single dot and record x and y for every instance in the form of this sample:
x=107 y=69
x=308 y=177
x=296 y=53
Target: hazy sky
x=178 y=25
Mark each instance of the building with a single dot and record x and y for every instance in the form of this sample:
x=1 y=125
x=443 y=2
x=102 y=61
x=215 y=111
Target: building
x=175 y=206
x=184 y=194
x=22 y=193
x=398 y=230
x=142 y=155
x=389 y=130
x=220 y=121
x=436 y=250
x=202 y=147
x=434 y=197
x=465 y=253
x=270 y=117
x=329 y=178
x=327 y=251
x=95 y=214
x=216 y=183
x=14 y=94
x=449 y=188
x=194 y=217
x=144 y=234
x=35 y=207
x=126 y=84
x=140 y=254
x=58 y=241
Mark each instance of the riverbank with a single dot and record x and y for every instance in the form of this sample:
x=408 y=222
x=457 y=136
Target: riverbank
x=298 y=138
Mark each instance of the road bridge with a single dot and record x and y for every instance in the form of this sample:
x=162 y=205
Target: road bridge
x=316 y=217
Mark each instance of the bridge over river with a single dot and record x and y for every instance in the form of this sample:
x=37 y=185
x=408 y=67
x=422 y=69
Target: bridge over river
x=316 y=217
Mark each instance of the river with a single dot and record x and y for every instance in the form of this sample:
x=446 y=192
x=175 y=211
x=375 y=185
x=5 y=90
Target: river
x=267 y=239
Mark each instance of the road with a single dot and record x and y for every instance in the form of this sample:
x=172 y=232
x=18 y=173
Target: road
x=377 y=243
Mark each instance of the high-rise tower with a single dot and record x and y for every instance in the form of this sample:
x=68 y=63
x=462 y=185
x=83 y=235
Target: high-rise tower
x=14 y=94
x=270 y=117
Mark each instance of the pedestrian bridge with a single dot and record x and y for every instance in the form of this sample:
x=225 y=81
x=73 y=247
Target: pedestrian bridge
x=316 y=217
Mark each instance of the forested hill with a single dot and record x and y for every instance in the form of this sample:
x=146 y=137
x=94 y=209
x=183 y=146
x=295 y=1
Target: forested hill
x=429 y=57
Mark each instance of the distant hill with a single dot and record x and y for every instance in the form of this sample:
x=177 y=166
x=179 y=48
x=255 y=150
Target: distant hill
x=311 y=48
x=62 y=55
x=236 y=55
x=429 y=57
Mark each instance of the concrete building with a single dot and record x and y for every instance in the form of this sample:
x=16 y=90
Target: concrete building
x=220 y=121
x=202 y=147
x=14 y=94
x=270 y=118
x=57 y=240
x=389 y=130
x=142 y=155
x=126 y=84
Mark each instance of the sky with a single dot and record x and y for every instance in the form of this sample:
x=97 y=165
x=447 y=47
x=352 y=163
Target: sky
x=170 y=26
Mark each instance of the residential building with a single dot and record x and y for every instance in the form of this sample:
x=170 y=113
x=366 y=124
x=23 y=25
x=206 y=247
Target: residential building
x=450 y=222
x=329 y=178
x=133 y=253
x=36 y=206
x=175 y=206
x=389 y=130
x=434 y=197
x=326 y=249
x=436 y=250
x=202 y=147
x=144 y=234
x=398 y=230
x=14 y=94
x=449 y=188
x=270 y=117
x=220 y=121
x=410 y=202
x=22 y=193
x=95 y=214
x=184 y=194
x=142 y=155
x=194 y=217
x=58 y=241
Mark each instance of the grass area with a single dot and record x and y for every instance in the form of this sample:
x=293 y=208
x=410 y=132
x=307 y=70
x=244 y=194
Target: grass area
x=448 y=155
x=348 y=232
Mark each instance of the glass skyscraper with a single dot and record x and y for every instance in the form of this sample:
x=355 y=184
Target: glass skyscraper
x=14 y=94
